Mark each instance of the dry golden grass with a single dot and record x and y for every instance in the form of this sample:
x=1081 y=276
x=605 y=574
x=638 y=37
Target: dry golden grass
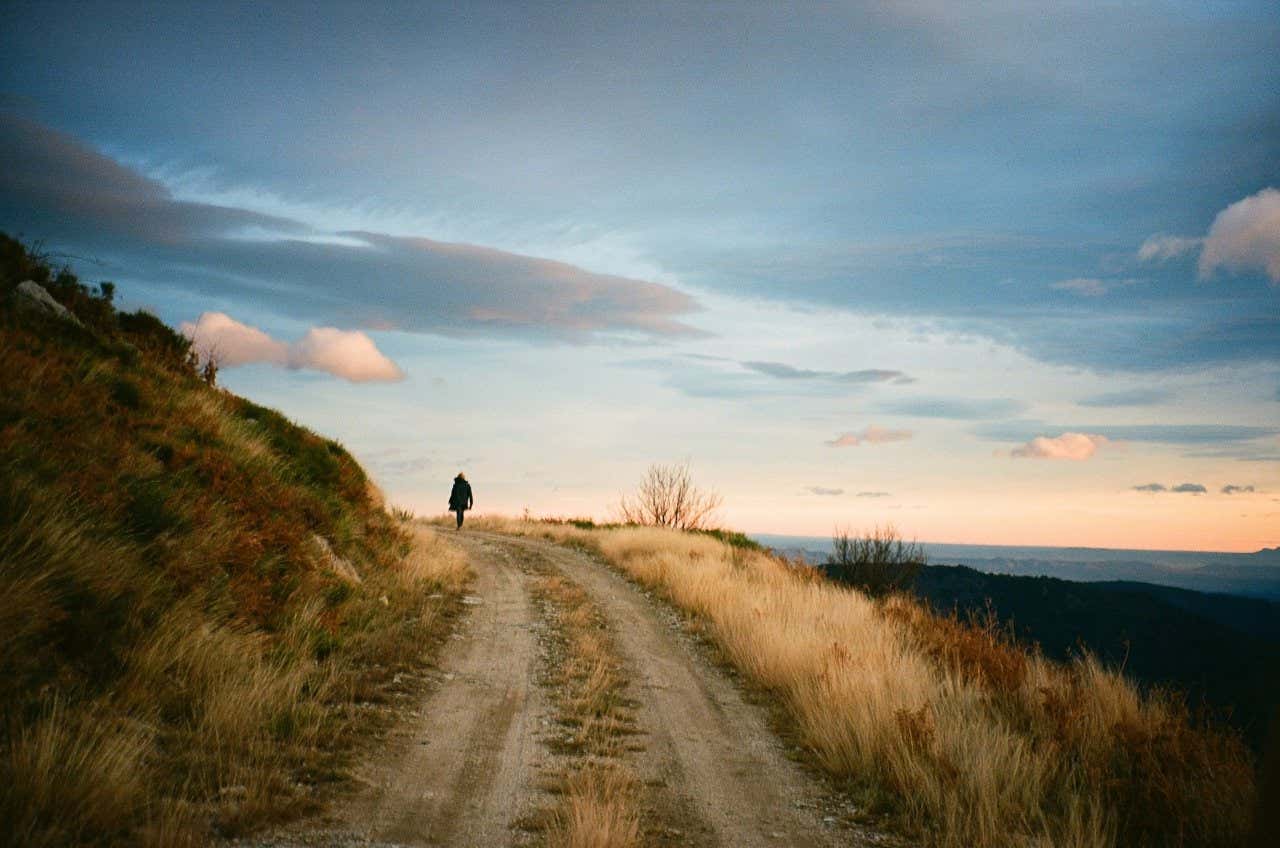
x=177 y=712
x=599 y=796
x=598 y=811
x=968 y=740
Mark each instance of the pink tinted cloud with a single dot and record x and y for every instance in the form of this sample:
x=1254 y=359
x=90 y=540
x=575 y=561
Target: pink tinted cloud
x=218 y=336
x=1073 y=446
x=349 y=354
x=1245 y=236
x=871 y=436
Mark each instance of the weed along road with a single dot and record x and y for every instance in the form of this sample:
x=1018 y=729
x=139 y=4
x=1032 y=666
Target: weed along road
x=497 y=755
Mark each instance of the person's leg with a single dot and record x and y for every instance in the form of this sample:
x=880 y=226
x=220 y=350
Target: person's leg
x=459 y=527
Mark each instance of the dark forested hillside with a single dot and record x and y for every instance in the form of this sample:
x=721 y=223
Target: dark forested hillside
x=1223 y=651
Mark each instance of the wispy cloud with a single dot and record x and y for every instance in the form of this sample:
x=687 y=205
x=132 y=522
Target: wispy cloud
x=1071 y=446
x=1092 y=286
x=872 y=495
x=1232 y=489
x=870 y=436
x=788 y=372
x=823 y=490
x=1245 y=236
x=1173 y=434
x=1160 y=248
x=1131 y=397
x=349 y=354
x=964 y=409
x=1180 y=489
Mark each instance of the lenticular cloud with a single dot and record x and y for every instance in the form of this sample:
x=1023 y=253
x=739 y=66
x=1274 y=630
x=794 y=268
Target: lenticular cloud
x=349 y=354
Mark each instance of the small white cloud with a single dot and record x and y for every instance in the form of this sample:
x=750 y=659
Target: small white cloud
x=349 y=354
x=871 y=436
x=1073 y=446
x=823 y=490
x=1160 y=248
x=1245 y=236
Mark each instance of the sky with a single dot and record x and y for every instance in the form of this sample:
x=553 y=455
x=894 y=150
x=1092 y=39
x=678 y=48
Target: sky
x=998 y=273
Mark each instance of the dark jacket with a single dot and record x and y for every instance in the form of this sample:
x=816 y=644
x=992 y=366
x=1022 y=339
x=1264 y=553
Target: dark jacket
x=460 y=497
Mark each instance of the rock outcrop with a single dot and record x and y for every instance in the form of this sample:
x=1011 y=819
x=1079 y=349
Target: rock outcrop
x=31 y=296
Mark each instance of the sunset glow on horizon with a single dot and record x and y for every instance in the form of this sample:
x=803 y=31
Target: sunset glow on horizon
x=1007 y=275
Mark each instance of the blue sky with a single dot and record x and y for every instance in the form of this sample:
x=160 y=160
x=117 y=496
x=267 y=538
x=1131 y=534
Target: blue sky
x=1025 y=257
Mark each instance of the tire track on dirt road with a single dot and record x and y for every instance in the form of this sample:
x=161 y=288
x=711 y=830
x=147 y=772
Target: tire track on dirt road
x=705 y=747
x=470 y=766
x=463 y=767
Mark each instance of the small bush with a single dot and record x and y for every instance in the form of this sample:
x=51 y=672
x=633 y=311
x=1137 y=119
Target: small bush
x=878 y=562
x=667 y=497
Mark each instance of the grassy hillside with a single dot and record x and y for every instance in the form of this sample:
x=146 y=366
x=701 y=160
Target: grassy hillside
x=965 y=739
x=194 y=591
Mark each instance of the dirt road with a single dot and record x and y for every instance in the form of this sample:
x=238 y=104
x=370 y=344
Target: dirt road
x=472 y=765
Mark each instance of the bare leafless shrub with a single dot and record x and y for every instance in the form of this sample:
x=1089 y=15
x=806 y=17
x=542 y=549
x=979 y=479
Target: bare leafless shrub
x=667 y=497
x=878 y=561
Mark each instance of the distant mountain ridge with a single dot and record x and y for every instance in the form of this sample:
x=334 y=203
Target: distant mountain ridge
x=1254 y=574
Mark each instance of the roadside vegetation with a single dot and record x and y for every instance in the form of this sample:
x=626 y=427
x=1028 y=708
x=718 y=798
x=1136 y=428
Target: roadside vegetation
x=963 y=737
x=599 y=795
x=202 y=604
x=878 y=562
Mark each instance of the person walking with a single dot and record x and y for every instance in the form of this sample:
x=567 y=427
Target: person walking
x=460 y=499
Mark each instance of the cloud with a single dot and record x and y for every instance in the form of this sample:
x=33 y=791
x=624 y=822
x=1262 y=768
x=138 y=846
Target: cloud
x=788 y=372
x=1159 y=248
x=965 y=409
x=1092 y=286
x=349 y=354
x=1232 y=489
x=1086 y=286
x=871 y=436
x=1073 y=446
x=1173 y=434
x=218 y=336
x=1181 y=488
x=822 y=490
x=56 y=188
x=872 y=495
x=1131 y=397
x=1245 y=236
